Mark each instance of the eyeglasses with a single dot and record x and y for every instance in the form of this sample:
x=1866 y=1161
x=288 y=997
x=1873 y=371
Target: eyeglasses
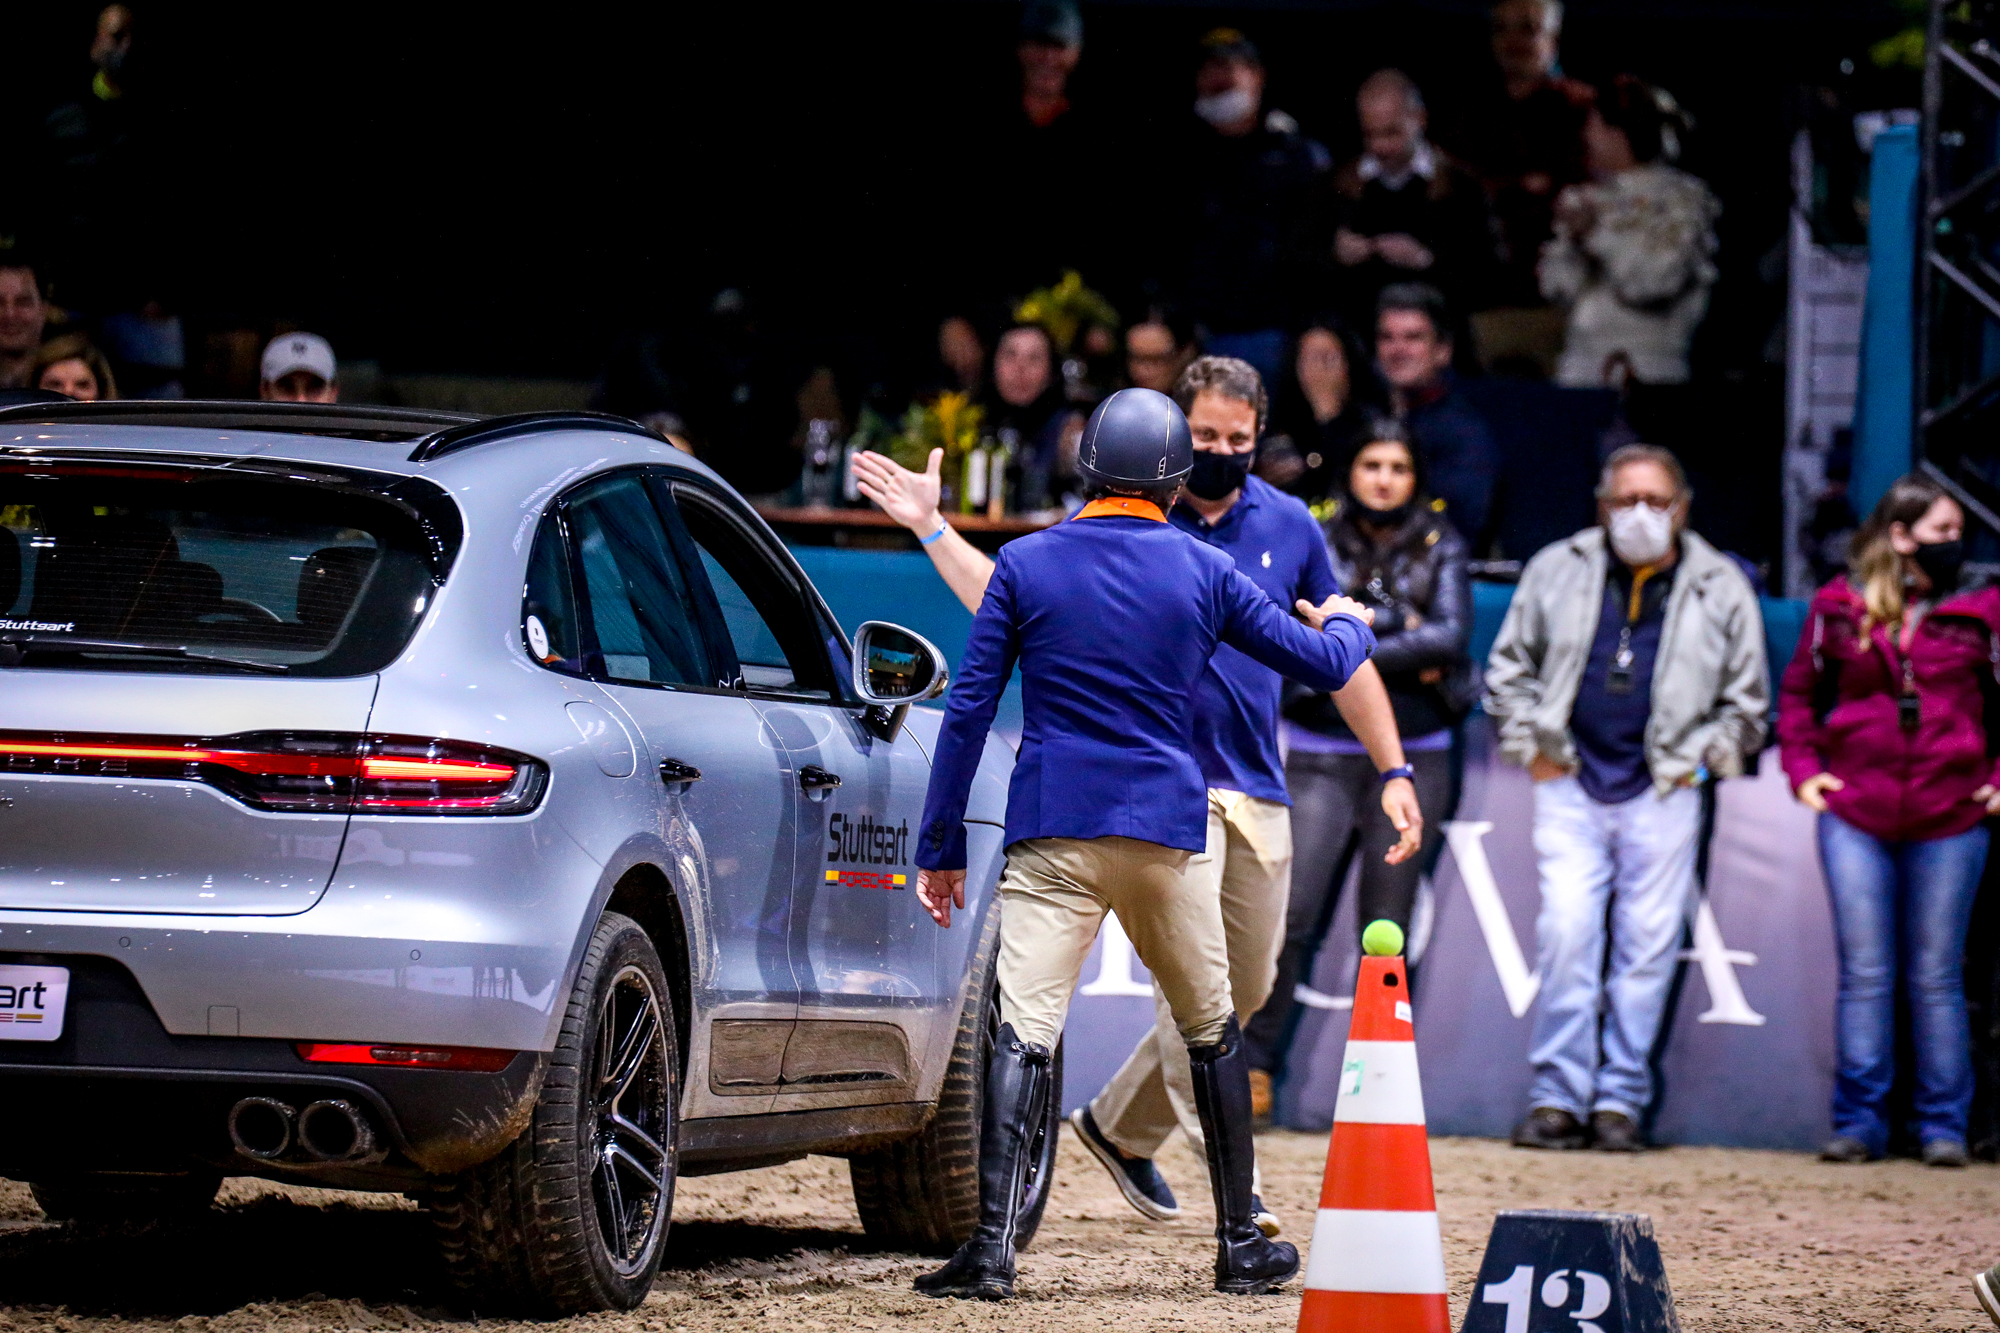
x=1650 y=501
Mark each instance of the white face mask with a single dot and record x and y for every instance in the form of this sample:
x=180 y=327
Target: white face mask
x=1226 y=108
x=1641 y=534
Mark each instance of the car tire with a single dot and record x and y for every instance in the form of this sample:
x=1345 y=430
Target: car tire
x=116 y=1199
x=572 y=1216
x=922 y=1193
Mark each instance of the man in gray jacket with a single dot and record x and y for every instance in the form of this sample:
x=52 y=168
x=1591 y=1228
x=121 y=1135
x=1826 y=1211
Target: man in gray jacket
x=1630 y=670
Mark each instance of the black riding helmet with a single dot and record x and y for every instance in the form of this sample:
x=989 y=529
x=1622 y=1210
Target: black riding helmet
x=1136 y=437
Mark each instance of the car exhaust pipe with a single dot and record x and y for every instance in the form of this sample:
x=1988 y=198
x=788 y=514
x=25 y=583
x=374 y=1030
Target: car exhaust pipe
x=335 y=1131
x=262 y=1127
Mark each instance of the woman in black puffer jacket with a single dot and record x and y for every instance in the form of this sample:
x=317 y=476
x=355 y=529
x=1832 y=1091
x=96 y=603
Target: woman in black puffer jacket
x=1393 y=549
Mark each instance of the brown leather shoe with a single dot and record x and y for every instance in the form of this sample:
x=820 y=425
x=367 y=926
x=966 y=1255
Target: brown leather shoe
x=1550 y=1127
x=1260 y=1098
x=1614 y=1131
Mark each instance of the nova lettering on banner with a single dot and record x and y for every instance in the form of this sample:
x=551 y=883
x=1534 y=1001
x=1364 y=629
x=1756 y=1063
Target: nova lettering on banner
x=1468 y=848
x=1718 y=961
x=1718 y=972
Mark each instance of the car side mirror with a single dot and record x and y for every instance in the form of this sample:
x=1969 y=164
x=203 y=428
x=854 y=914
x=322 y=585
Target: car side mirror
x=895 y=667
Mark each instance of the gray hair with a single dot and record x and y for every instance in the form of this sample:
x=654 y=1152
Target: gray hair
x=1227 y=376
x=1626 y=455
x=1392 y=81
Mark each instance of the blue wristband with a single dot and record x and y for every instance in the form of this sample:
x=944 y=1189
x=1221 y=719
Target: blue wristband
x=1400 y=771
x=943 y=527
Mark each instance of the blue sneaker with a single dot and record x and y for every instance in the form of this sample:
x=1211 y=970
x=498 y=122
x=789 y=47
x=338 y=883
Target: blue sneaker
x=1136 y=1177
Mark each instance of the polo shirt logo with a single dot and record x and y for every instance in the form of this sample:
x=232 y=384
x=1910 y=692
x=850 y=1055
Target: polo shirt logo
x=1267 y=559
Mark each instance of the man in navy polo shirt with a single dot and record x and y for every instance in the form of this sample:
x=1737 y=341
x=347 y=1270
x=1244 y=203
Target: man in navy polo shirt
x=1272 y=539
x=1112 y=619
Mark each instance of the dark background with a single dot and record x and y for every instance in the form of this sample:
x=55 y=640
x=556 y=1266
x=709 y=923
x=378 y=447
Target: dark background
x=509 y=192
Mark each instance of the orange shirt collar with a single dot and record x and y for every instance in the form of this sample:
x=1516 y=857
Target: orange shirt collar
x=1129 y=506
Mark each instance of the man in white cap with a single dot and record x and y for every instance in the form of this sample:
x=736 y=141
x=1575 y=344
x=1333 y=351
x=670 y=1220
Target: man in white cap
x=299 y=368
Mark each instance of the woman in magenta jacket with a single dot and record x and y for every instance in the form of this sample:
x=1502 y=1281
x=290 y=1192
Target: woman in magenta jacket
x=1883 y=727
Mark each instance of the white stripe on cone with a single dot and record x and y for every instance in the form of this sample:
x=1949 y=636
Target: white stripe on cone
x=1359 y=1249
x=1379 y=1084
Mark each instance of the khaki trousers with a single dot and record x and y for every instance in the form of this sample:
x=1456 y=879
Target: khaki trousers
x=1053 y=897
x=1247 y=868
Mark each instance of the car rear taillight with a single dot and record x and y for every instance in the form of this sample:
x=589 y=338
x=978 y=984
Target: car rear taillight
x=301 y=772
x=472 y=1059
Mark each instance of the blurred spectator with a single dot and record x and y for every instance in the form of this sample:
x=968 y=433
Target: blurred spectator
x=1883 y=721
x=89 y=207
x=23 y=316
x=1619 y=736
x=1028 y=412
x=1157 y=349
x=1398 y=555
x=1632 y=259
x=71 y=366
x=742 y=405
x=299 y=368
x=1524 y=137
x=1042 y=151
x=1401 y=210
x=1323 y=411
x=1249 y=171
x=961 y=354
x=1051 y=44
x=1413 y=348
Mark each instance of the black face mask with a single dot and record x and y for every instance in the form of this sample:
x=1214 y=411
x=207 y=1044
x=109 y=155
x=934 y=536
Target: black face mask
x=1387 y=518
x=1216 y=475
x=1940 y=562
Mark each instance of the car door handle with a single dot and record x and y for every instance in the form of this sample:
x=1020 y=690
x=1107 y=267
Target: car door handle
x=673 y=771
x=814 y=778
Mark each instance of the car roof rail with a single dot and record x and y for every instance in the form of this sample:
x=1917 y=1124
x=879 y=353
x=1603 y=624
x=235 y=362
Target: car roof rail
x=486 y=431
x=352 y=421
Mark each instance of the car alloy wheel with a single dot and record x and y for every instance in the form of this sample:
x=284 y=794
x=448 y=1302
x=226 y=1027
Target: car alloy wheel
x=571 y=1218
x=630 y=1172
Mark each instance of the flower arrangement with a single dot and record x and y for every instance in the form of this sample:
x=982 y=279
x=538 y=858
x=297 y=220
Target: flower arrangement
x=1066 y=309
x=951 y=422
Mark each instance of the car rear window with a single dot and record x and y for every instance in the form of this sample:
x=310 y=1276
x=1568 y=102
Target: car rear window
x=197 y=570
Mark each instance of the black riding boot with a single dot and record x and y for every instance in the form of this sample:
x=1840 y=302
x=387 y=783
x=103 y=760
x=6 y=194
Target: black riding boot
x=1016 y=1101
x=1246 y=1262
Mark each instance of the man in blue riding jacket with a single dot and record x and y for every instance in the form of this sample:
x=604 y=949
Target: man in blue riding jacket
x=1275 y=542
x=1112 y=619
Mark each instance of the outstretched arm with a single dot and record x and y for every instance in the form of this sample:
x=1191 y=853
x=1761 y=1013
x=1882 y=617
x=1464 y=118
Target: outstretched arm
x=1322 y=653
x=911 y=498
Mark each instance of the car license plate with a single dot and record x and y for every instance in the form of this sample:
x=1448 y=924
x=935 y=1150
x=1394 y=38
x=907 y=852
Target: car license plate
x=32 y=1000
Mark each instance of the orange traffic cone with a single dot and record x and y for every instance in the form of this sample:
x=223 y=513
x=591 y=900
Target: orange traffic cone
x=1377 y=1260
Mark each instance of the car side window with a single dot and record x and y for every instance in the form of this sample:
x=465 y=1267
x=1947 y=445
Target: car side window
x=772 y=628
x=548 y=603
x=640 y=610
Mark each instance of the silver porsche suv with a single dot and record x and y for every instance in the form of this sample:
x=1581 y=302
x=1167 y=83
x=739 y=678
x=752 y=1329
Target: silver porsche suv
x=488 y=810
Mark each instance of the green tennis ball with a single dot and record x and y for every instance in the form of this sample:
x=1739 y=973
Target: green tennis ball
x=1382 y=939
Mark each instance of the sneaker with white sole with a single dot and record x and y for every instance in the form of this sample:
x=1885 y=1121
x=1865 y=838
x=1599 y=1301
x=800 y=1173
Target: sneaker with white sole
x=1986 y=1286
x=1136 y=1177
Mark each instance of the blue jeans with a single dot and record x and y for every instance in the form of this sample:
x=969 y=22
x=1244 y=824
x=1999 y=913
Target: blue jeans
x=1901 y=908
x=1628 y=867
x=1262 y=348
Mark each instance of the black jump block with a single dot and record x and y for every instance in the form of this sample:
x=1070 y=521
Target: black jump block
x=1550 y=1270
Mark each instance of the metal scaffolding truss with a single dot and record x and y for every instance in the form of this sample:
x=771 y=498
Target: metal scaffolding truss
x=1958 y=262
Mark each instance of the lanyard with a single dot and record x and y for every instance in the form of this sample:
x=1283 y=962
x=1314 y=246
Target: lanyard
x=1620 y=679
x=1909 y=705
